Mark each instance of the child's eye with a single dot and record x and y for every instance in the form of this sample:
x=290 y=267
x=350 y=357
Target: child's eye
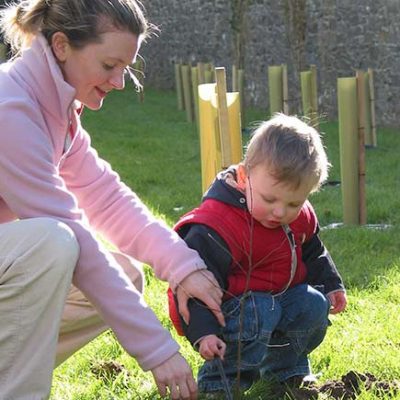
x=108 y=67
x=269 y=201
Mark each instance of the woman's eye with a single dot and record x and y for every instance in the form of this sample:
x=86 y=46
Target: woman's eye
x=108 y=67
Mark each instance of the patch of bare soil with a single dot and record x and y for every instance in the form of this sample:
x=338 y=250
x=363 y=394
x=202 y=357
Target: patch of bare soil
x=346 y=388
x=107 y=369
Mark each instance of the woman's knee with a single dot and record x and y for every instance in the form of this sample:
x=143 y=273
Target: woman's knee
x=58 y=241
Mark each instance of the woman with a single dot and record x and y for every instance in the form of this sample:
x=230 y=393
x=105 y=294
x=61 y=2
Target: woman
x=55 y=193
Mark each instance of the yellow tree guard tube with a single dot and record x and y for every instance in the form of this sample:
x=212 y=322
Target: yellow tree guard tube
x=275 y=89
x=349 y=142
x=306 y=93
x=210 y=149
x=235 y=129
x=178 y=86
x=187 y=92
x=210 y=139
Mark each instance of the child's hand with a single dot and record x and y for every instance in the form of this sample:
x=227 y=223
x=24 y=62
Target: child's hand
x=212 y=346
x=338 y=301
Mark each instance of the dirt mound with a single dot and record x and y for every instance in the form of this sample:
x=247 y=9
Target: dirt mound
x=348 y=387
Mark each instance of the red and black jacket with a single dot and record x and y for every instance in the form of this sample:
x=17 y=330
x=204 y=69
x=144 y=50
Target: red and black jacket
x=233 y=244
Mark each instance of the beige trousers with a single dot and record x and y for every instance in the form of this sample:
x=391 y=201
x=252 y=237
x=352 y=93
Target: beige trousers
x=37 y=259
x=80 y=321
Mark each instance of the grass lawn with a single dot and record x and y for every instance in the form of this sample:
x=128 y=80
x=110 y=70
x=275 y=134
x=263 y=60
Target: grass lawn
x=156 y=152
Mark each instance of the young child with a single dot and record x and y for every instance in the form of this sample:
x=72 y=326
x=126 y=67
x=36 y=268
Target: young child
x=258 y=234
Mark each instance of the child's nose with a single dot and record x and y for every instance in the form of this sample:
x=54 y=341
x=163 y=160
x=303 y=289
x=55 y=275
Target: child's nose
x=279 y=212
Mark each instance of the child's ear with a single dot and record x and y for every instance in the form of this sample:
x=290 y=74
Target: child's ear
x=241 y=176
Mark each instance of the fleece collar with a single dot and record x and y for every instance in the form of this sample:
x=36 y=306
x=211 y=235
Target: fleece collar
x=38 y=70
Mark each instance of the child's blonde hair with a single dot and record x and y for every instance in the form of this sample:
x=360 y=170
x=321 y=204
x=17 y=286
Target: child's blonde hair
x=291 y=150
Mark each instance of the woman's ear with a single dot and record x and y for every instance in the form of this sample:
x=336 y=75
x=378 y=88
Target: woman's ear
x=60 y=45
x=241 y=176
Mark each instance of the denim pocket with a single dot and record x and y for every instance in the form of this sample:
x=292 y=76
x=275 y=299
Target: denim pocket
x=241 y=319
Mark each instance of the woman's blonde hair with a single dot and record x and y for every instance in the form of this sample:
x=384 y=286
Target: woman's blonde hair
x=82 y=21
x=291 y=150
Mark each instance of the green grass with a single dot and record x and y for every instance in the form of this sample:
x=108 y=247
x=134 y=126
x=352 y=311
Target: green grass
x=156 y=152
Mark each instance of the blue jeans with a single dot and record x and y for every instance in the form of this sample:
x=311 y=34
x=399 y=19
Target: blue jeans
x=273 y=339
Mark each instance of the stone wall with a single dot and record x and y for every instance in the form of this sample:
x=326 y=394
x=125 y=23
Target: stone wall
x=339 y=37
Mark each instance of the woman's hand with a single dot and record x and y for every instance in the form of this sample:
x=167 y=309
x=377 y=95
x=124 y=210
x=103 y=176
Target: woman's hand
x=175 y=376
x=201 y=285
x=212 y=346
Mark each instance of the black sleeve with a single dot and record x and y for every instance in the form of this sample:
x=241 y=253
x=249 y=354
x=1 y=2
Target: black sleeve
x=215 y=253
x=321 y=270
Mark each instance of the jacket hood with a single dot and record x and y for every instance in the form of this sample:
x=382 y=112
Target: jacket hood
x=224 y=189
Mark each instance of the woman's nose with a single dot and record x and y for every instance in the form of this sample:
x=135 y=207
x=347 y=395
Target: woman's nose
x=118 y=81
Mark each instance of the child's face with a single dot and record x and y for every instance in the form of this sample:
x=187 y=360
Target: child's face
x=270 y=202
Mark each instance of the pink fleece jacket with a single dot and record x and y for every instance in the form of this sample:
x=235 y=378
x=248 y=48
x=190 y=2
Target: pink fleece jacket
x=39 y=179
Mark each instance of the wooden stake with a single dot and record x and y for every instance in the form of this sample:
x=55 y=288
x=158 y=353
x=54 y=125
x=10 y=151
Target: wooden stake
x=285 y=90
x=187 y=92
x=200 y=71
x=195 y=93
x=360 y=75
x=234 y=79
x=314 y=96
x=223 y=117
x=179 y=87
x=372 y=105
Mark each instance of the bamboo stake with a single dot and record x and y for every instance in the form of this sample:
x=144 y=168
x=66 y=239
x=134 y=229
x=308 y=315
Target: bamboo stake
x=285 y=90
x=223 y=117
x=314 y=96
x=360 y=75
x=187 y=92
x=179 y=87
x=200 y=71
x=241 y=96
x=234 y=79
x=195 y=93
x=372 y=105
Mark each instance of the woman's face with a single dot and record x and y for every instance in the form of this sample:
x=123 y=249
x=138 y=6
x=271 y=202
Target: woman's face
x=97 y=68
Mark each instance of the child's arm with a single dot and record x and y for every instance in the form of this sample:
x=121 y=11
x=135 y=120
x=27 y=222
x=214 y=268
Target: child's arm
x=338 y=301
x=322 y=271
x=215 y=253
